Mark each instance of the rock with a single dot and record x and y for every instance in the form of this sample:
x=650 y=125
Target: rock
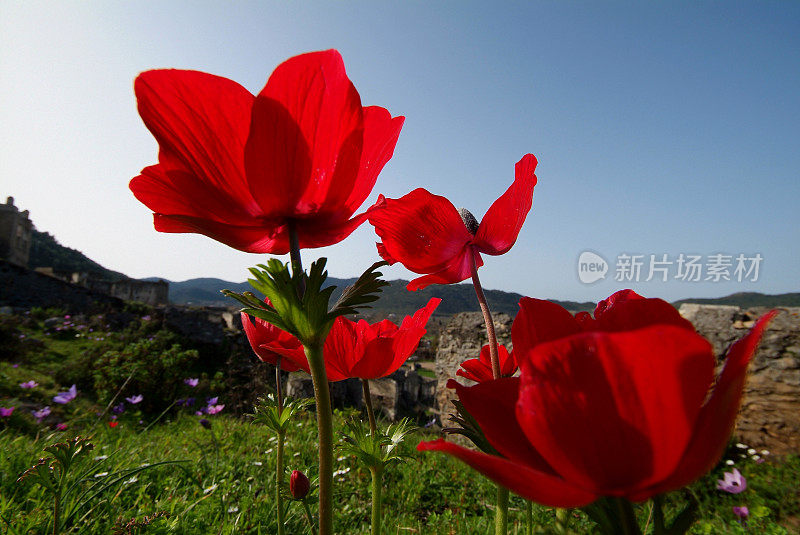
x=770 y=414
x=460 y=340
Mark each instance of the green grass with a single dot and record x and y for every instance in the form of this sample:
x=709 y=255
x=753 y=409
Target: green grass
x=232 y=490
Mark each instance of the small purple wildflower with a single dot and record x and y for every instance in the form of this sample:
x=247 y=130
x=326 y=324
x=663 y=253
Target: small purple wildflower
x=212 y=401
x=214 y=409
x=41 y=413
x=733 y=482
x=742 y=512
x=133 y=400
x=119 y=408
x=191 y=381
x=61 y=426
x=205 y=423
x=5 y=412
x=199 y=413
x=63 y=398
x=189 y=402
x=29 y=384
x=15 y=365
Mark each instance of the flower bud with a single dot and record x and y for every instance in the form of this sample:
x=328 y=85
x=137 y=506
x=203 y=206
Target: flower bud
x=298 y=485
x=205 y=423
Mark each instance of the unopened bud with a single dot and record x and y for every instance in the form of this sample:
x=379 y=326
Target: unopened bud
x=469 y=220
x=205 y=423
x=299 y=485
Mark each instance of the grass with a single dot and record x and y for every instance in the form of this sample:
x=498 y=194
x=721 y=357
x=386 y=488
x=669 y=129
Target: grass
x=231 y=489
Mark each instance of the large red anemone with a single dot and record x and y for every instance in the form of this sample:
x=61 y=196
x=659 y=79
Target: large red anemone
x=243 y=169
x=428 y=235
x=628 y=408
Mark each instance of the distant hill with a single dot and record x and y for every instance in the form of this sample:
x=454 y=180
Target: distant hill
x=748 y=299
x=394 y=299
x=47 y=252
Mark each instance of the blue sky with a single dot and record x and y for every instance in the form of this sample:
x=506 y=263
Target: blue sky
x=660 y=128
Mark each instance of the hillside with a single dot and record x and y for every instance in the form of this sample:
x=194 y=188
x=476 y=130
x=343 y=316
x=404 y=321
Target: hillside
x=394 y=299
x=47 y=252
x=748 y=299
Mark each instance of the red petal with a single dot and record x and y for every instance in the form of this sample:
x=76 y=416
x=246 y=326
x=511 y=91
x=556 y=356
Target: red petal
x=480 y=369
x=256 y=239
x=521 y=480
x=381 y=131
x=422 y=231
x=341 y=349
x=501 y=225
x=493 y=405
x=201 y=123
x=716 y=419
x=306 y=137
x=619 y=296
x=613 y=412
x=540 y=321
x=262 y=333
x=631 y=314
x=459 y=270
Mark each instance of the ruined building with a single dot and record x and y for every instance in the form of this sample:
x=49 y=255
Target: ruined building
x=15 y=234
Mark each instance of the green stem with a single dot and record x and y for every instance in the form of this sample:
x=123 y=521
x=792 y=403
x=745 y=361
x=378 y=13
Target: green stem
x=216 y=455
x=279 y=482
x=529 y=517
x=658 y=516
x=376 y=500
x=322 y=396
x=56 y=511
x=501 y=512
x=501 y=515
x=309 y=518
x=487 y=318
x=627 y=517
x=373 y=428
x=294 y=254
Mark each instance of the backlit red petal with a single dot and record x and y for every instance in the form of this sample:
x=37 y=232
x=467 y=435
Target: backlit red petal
x=630 y=314
x=421 y=230
x=500 y=226
x=715 y=422
x=613 y=412
x=540 y=321
x=201 y=123
x=533 y=485
x=459 y=270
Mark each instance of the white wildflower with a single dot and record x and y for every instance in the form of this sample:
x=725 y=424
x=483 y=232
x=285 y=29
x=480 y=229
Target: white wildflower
x=101 y=474
x=210 y=489
x=729 y=462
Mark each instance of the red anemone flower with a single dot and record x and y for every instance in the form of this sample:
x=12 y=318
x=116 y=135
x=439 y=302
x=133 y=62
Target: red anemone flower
x=620 y=412
x=480 y=369
x=428 y=235
x=262 y=334
x=367 y=351
x=243 y=169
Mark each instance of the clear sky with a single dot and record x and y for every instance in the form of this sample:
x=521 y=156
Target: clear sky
x=660 y=127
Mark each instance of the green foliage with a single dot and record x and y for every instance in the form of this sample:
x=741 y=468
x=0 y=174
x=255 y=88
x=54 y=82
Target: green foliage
x=145 y=367
x=376 y=451
x=299 y=302
x=267 y=413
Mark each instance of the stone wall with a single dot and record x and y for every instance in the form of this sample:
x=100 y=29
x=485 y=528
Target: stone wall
x=770 y=413
x=15 y=234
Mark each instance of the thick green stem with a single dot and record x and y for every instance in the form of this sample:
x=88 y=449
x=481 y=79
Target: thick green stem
x=501 y=514
x=373 y=428
x=279 y=482
x=376 y=500
x=658 y=516
x=316 y=363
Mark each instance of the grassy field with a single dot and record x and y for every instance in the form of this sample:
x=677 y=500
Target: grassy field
x=222 y=480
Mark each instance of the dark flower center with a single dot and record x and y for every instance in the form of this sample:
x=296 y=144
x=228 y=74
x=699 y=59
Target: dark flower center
x=469 y=220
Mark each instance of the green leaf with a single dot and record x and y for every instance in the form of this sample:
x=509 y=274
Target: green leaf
x=364 y=290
